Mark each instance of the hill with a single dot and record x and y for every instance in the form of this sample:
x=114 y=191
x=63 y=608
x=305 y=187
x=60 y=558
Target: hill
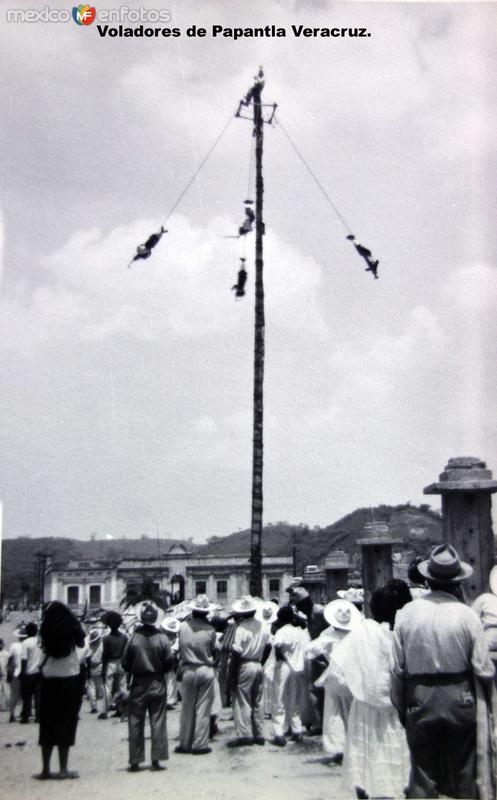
x=419 y=528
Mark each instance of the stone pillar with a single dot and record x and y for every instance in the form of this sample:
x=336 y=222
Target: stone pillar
x=466 y=486
x=336 y=578
x=376 y=555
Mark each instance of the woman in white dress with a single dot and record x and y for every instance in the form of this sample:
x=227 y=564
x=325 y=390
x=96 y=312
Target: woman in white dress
x=343 y=617
x=376 y=757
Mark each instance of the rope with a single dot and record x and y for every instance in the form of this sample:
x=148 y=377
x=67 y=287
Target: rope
x=249 y=187
x=202 y=163
x=313 y=176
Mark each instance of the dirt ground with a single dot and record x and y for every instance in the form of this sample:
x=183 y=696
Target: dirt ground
x=101 y=757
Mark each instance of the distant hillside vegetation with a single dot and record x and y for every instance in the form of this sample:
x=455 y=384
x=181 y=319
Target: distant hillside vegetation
x=419 y=528
x=19 y=556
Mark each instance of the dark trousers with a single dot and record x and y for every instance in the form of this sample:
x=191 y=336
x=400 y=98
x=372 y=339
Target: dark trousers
x=147 y=694
x=441 y=734
x=30 y=690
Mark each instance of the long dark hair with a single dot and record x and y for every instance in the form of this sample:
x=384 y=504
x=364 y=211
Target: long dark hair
x=386 y=601
x=60 y=631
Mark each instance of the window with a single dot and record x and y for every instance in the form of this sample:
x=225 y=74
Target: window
x=156 y=587
x=200 y=587
x=95 y=596
x=72 y=595
x=274 y=586
x=221 y=589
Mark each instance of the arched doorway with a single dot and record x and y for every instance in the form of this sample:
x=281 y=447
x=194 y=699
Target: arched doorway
x=177 y=589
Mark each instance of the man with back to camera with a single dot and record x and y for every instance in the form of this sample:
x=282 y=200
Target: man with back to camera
x=439 y=656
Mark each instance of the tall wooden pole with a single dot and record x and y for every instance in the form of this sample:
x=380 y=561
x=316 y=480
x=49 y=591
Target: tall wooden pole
x=258 y=440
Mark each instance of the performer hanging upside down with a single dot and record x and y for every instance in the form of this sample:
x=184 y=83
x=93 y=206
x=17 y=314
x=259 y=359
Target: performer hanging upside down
x=247 y=223
x=145 y=250
x=239 y=286
x=366 y=255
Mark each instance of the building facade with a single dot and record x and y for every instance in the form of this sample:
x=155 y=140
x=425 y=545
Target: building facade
x=177 y=575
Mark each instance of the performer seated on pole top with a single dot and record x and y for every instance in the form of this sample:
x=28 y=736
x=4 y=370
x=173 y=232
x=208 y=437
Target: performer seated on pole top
x=239 y=286
x=145 y=250
x=366 y=255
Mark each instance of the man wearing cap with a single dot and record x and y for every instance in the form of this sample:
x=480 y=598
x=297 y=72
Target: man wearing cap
x=249 y=651
x=113 y=645
x=146 y=659
x=197 y=651
x=439 y=656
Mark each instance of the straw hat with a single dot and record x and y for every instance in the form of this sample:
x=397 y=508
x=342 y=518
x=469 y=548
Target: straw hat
x=95 y=635
x=352 y=594
x=202 y=605
x=493 y=580
x=342 y=614
x=266 y=612
x=245 y=605
x=445 y=566
x=170 y=624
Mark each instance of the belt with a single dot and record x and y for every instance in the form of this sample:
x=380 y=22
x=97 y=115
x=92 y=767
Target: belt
x=194 y=666
x=148 y=675
x=433 y=678
x=254 y=660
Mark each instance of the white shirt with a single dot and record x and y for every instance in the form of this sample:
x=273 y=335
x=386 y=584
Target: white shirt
x=31 y=653
x=16 y=651
x=251 y=638
x=486 y=607
x=65 y=667
x=292 y=642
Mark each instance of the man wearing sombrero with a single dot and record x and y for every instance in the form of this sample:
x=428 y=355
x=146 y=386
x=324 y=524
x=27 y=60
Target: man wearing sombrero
x=440 y=663
x=197 y=650
x=249 y=651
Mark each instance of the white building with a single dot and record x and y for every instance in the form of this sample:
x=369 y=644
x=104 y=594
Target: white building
x=180 y=573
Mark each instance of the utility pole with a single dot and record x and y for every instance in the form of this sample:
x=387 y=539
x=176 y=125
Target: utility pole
x=41 y=568
x=253 y=98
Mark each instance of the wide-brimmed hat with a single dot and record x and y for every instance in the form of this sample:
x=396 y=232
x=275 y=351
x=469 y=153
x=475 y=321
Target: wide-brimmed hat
x=20 y=633
x=342 y=614
x=94 y=635
x=266 y=612
x=149 y=613
x=445 y=566
x=353 y=594
x=170 y=624
x=202 y=604
x=245 y=605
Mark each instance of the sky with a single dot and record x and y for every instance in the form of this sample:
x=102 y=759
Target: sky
x=126 y=399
